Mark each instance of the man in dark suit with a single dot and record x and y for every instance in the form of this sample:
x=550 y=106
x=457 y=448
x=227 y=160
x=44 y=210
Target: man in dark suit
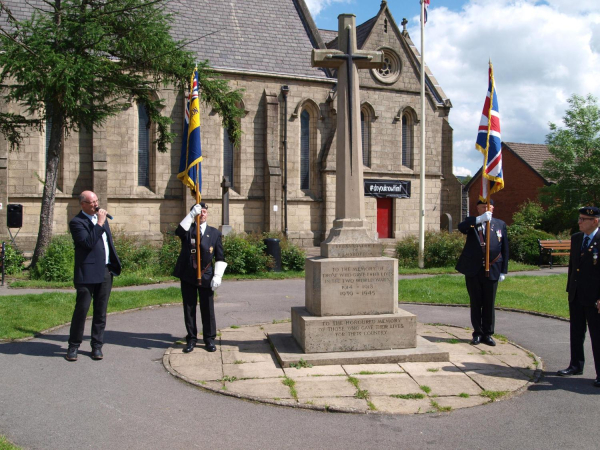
x=211 y=246
x=96 y=262
x=482 y=288
x=583 y=286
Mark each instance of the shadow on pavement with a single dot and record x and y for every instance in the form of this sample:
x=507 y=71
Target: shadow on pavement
x=577 y=384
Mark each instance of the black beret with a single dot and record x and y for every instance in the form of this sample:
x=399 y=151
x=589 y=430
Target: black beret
x=202 y=205
x=590 y=211
x=481 y=202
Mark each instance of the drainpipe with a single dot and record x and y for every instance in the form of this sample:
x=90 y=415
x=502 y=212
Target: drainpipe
x=285 y=91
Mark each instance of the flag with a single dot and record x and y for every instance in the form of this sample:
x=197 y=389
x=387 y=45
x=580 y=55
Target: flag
x=489 y=143
x=426 y=2
x=191 y=151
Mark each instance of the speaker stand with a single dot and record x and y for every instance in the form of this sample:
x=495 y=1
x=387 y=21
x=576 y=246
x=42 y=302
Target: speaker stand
x=12 y=238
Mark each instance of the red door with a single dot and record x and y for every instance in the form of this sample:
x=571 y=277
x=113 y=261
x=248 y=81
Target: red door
x=384 y=218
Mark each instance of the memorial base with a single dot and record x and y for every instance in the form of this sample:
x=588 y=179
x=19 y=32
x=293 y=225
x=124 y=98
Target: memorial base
x=317 y=334
x=289 y=352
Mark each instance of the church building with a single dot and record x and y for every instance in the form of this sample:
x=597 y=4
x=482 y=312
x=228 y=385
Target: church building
x=282 y=174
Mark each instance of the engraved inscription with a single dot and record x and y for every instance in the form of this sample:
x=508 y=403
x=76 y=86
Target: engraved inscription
x=357 y=280
x=362 y=327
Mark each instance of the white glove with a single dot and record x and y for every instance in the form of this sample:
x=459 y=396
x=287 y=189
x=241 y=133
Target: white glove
x=502 y=277
x=187 y=221
x=220 y=267
x=485 y=217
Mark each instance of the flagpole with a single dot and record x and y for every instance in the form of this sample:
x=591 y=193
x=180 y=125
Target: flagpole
x=487 y=239
x=422 y=188
x=198 y=235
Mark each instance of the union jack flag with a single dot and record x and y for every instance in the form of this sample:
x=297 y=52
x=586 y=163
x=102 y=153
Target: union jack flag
x=489 y=143
x=426 y=2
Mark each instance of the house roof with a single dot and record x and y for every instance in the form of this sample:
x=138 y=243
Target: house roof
x=532 y=155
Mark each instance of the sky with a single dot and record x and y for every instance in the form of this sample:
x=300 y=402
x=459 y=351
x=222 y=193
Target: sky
x=542 y=53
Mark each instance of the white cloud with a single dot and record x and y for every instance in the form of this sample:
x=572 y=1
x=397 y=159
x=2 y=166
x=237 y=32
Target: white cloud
x=316 y=6
x=542 y=53
x=461 y=171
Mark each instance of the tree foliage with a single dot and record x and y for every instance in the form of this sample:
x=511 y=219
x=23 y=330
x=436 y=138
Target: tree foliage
x=575 y=163
x=79 y=62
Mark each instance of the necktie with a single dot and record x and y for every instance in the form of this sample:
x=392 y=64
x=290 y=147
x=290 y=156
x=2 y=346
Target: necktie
x=586 y=243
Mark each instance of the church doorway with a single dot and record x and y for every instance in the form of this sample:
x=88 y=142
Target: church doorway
x=384 y=218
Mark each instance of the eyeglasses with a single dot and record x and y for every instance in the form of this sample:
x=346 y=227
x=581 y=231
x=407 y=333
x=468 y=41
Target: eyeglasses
x=581 y=219
x=90 y=203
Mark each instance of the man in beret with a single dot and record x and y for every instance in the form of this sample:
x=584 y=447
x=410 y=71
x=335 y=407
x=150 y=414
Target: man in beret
x=482 y=288
x=583 y=286
x=211 y=246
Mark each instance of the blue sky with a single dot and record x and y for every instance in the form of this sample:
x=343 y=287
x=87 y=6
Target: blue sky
x=542 y=51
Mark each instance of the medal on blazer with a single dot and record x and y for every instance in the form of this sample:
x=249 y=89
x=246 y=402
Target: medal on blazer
x=595 y=254
x=499 y=234
x=210 y=250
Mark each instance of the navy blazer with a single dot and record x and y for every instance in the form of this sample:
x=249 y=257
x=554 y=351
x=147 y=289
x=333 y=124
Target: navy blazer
x=471 y=260
x=211 y=246
x=584 y=270
x=90 y=256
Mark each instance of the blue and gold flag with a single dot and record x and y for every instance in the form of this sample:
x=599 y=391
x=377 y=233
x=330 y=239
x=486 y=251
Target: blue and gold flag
x=191 y=151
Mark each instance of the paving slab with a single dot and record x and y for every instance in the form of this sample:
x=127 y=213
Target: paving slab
x=246 y=366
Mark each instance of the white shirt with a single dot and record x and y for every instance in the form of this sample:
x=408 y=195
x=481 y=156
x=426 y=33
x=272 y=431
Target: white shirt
x=94 y=220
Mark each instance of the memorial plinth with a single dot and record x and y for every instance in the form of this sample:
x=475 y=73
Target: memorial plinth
x=351 y=313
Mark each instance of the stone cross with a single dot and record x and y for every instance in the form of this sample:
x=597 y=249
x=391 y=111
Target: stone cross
x=349 y=206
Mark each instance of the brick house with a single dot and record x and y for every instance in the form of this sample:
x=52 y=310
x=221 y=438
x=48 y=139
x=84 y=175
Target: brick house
x=522 y=179
x=139 y=186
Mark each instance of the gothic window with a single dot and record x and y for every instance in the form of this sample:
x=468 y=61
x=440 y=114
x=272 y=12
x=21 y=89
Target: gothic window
x=365 y=127
x=304 y=150
x=143 y=146
x=407 y=141
x=392 y=66
x=228 y=154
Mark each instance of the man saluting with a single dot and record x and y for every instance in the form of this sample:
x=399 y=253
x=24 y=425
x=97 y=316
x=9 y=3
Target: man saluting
x=186 y=270
x=583 y=286
x=482 y=288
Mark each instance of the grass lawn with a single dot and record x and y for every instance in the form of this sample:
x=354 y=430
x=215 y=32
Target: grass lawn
x=24 y=315
x=544 y=294
x=5 y=445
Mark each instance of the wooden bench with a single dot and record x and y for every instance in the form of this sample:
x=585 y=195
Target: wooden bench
x=558 y=247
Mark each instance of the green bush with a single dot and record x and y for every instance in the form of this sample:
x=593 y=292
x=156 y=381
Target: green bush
x=58 y=261
x=244 y=254
x=442 y=249
x=528 y=217
x=524 y=247
x=13 y=260
x=292 y=256
x=168 y=253
x=135 y=255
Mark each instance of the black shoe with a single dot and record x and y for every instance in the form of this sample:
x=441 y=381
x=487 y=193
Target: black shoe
x=476 y=340
x=189 y=347
x=210 y=346
x=487 y=340
x=597 y=382
x=569 y=371
x=71 y=354
x=97 y=353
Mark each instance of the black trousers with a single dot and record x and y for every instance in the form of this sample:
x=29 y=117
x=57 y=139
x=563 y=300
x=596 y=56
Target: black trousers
x=482 y=293
x=190 y=293
x=99 y=293
x=582 y=317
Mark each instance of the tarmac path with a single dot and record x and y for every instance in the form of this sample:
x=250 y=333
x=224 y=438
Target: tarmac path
x=129 y=401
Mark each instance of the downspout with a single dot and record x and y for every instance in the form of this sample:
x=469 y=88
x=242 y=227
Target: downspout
x=284 y=91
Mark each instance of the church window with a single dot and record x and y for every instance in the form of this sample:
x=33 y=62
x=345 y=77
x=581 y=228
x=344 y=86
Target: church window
x=390 y=71
x=228 y=155
x=143 y=146
x=385 y=25
x=304 y=150
x=365 y=126
x=407 y=141
x=47 y=135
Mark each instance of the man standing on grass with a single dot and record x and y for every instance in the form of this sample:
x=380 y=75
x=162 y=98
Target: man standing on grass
x=96 y=262
x=583 y=286
x=482 y=288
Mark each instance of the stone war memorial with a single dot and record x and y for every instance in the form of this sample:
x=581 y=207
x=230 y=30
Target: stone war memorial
x=351 y=314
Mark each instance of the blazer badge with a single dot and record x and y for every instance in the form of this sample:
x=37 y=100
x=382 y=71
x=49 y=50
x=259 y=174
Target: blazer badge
x=210 y=249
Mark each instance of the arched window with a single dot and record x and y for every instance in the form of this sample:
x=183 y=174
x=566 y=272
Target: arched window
x=407 y=141
x=305 y=150
x=228 y=157
x=365 y=127
x=143 y=146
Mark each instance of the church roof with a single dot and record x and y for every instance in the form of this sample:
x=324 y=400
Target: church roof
x=362 y=32
x=264 y=36
x=532 y=154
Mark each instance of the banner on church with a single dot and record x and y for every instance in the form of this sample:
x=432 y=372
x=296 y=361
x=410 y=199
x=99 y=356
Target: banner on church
x=387 y=188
